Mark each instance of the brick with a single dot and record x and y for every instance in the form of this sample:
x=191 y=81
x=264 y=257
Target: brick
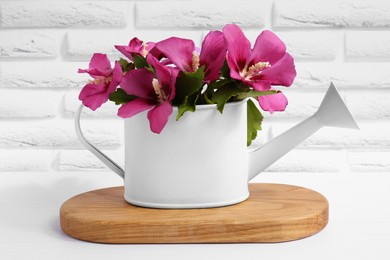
x=368 y=45
x=306 y=45
x=22 y=103
x=62 y=14
x=25 y=160
x=338 y=13
x=199 y=14
x=311 y=45
x=42 y=75
x=357 y=75
x=78 y=43
x=28 y=44
x=72 y=103
x=298 y=160
x=300 y=104
x=159 y=35
x=81 y=45
x=371 y=135
x=369 y=161
x=369 y=104
x=366 y=104
x=83 y=160
x=60 y=133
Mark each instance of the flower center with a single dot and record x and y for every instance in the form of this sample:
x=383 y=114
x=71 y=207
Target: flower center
x=144 y=51
x=161 y=97
x=254 y=70
x=101 y=80
x=195 y=61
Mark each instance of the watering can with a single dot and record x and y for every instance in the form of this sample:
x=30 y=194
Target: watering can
x=202 y=160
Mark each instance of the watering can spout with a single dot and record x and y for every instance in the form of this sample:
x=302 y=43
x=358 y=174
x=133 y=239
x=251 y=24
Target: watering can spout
x=332 y=112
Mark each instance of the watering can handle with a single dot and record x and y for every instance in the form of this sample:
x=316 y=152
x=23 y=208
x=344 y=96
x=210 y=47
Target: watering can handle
x=99 y=154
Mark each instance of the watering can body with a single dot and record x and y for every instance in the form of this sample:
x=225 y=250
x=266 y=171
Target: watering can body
x=199 y=161
x=202 y=160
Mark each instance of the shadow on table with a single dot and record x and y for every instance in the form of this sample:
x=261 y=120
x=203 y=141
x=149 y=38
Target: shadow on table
x=35 y=207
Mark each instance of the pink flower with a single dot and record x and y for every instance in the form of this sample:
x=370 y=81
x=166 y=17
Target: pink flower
x=186 y=57
x=274 y=102
x=105 y=80
x=154 y=92
x=265 y=65
x=135 y=46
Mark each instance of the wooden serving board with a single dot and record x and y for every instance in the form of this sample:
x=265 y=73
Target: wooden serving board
x=272 y=213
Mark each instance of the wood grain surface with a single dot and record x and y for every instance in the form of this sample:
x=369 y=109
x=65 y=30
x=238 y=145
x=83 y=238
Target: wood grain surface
x=272 y=213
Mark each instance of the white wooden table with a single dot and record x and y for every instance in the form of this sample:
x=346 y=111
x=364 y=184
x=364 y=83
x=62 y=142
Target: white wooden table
x=359 y=222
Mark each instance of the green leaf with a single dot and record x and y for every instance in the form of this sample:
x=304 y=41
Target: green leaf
x=225 y=70
x=126 y=66
x=218 y=84
x=255 y=93
x=123 y=63
x=121 y=97
x=223 y=94
x=140 y=62
x=187 y=84
x=188 y=105
x=254 y=120
x=206 y=97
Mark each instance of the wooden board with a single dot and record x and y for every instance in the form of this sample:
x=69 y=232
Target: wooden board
x=272 y=213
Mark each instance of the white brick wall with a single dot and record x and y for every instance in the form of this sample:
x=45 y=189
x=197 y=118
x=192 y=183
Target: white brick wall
x=29 y=44
x=22 y=103
x=368 y=45
x=332 y=13
x=43 y=43
x=199 y=14
x=16 y=14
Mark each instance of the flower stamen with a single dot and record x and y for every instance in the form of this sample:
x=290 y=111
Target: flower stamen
x=195 y=61
x=254 y=70
x=101 y=80
x=161 y=97
x=258 y=67
x=144 y=51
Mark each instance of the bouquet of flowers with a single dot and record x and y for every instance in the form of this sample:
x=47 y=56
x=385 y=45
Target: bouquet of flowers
x=154 y=77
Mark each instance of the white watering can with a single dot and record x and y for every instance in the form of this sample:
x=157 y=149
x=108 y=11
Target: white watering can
x=202 y=160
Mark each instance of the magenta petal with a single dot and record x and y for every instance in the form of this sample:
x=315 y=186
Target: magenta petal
x=135 y=44
x=139 y=83
x=100 y=61
x=274 y=102
x=179 y=51
x=116 y=78
x=212 y=54
x=123 y=49
x=158 y=117
x=96 y=73
x=95 y=101
x=134 y=107
x=92 y=89
x=238 y=46
x=166 y=76
x=234 y=70
x=281 y=73
x=162 y=72
x=174 y=74
x=150 y=46
x=98 y=66
x=261 y=85
x=93 y=95
x=117 y=73
x=268 y=47
x=157 y=53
